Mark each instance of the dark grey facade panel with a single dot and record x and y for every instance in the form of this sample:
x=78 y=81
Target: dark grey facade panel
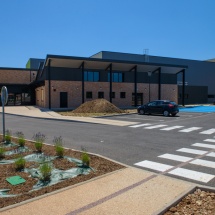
x=193 y=94
x=58 y=73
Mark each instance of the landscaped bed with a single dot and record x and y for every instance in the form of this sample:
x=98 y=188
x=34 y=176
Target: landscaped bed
x=86 y=166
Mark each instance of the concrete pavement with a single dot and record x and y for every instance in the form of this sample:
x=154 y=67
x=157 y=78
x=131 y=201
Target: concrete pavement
x=127 y=191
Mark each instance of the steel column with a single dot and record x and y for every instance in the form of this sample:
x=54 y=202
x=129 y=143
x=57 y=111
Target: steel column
x=183 y=86
x=49 y=80
x=110 y=67
x=159 y=83
x=135 y=86
x=82 y=72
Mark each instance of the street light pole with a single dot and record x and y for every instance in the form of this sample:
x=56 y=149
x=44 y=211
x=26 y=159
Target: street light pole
x=149 y=75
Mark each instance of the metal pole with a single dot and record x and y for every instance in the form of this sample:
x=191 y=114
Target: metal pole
x=149 y=88
x=3 y=117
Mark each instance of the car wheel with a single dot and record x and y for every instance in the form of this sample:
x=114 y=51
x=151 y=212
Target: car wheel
x=166 y=113
x=142 y=112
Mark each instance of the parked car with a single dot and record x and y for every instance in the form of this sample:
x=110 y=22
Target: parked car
x=165 y=107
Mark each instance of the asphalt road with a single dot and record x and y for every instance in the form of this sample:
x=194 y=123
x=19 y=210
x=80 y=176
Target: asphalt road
x=131 y=145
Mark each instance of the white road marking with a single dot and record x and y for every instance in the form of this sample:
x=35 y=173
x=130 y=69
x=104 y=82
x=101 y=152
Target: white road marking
x=139 y=125
x=155 y=126
x=190 y=129
x=171 y=128
x=192 y=151
x=210 y=140
x=194 y=175
x=210 y=131
x=205 y=163
x=212 y=154
x=204 y=145
x=175 y=157
x=154 y=165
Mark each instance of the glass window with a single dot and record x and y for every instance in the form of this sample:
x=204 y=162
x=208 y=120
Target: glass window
x=116 y=77
x=100 y=95
x=89 y=95
x=91 y=76
x=122 y=95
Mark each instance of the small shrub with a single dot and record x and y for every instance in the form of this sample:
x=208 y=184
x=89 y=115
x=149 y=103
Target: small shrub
x=85 y=158
x=39 y=139
x=8 y=135
x=20 y=163
x=21 y=138
x=45 y=170
x=59 y=146
x=2 y=151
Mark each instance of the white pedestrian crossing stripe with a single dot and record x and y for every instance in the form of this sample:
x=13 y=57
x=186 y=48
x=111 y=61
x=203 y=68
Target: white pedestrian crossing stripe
x=190 y=174
x=188 y=159
x=139 y=125
x=175 y=157
x=171 y=128
x=192 y=151
x=185 y=173
x=204 y=145
x=196 y=152
x=190 y=129
x=210 y=140
x=155 y=126
x=210 y=131
x=205 y=163
x=154 y=165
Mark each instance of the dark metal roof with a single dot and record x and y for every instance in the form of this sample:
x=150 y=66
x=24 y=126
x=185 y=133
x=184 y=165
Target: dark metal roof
x=117 y=65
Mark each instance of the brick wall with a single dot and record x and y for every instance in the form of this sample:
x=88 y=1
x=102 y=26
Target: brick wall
x=74 y=90
x=13 y=76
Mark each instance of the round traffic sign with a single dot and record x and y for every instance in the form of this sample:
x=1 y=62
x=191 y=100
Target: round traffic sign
x=4 y=95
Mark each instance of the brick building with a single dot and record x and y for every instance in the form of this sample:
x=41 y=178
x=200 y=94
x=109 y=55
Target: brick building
x=67 y=82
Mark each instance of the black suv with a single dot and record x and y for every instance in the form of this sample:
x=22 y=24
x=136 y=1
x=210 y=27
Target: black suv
x=164 y=107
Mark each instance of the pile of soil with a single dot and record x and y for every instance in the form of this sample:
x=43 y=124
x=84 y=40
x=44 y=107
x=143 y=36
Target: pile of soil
x=98 y=106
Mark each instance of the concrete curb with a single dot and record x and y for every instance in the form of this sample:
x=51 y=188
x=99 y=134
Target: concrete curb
x=179 y=198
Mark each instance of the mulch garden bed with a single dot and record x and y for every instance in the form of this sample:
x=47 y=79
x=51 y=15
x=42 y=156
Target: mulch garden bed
x=98 y=164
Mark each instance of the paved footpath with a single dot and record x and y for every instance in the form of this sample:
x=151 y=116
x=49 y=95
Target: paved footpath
x=127 y=191
x=32 y=111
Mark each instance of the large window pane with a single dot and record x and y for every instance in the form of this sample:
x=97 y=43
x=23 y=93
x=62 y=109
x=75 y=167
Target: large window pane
x=90 y=76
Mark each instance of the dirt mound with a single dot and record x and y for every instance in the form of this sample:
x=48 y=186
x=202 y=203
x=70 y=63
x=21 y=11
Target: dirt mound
x=98 y=106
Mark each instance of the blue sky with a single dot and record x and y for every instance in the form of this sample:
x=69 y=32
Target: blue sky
x=170 y=28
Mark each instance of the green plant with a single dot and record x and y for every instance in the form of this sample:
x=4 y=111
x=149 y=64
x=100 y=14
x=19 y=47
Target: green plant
x=20 y=163
x=59 y=146
x=45 y=170
x=39 y=139
x=2 y=151
x=85 y=158
x=8 y=135
x=21 y=138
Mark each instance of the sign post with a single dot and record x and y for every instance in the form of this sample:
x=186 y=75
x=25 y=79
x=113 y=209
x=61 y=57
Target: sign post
x=4 y=98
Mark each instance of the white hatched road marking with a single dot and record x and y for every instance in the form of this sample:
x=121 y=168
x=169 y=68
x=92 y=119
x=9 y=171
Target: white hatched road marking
x=205 y=163
x=194 y=175
x=190 y=129
x=140 y=125
x=204 y=145
x=171 y=128
x=192 y=151
x=155 y=126
x=210 y=140
x=175 y=157
x=210 y=131
x=153 y=165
